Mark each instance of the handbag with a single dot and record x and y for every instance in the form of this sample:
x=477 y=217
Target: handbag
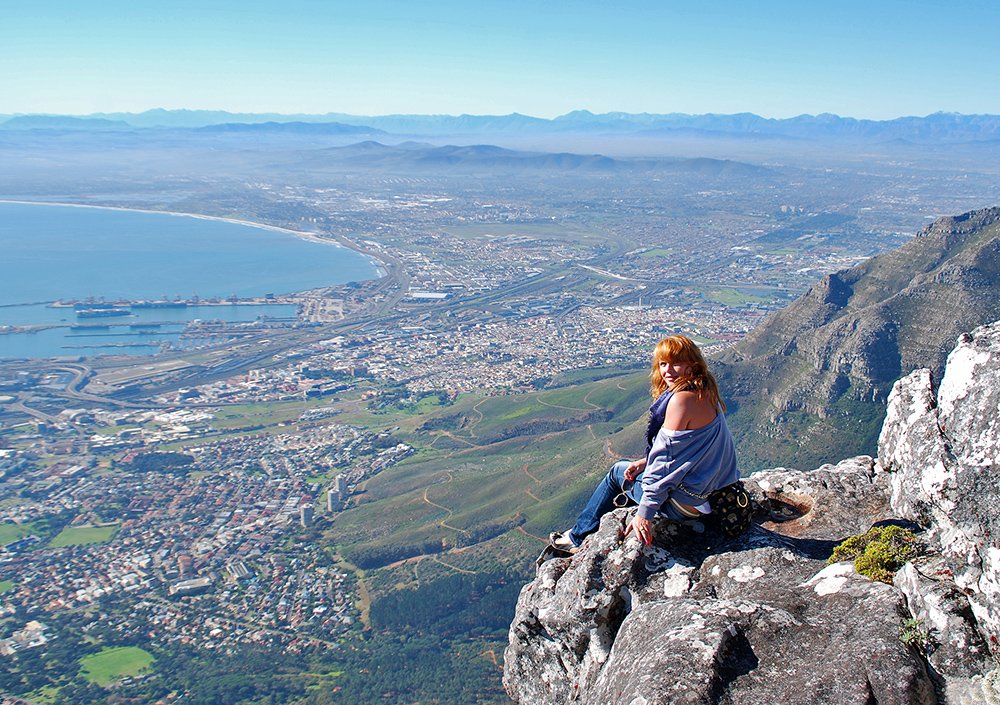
x=732 y=509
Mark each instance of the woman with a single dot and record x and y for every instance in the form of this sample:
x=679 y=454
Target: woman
x=689 y=450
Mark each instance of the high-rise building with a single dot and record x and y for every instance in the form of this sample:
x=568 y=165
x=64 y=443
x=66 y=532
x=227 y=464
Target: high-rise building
x=305 y=515
x=336 y=496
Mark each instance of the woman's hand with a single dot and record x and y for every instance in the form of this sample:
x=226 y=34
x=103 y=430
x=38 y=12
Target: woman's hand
x=634 y=468
x=643 y=529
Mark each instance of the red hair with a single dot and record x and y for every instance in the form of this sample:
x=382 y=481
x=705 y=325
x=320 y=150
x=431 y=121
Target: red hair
x=682 y=350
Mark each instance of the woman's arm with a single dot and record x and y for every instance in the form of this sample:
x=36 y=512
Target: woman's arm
x=662 y=474
x=684 y=412
x=634 y=468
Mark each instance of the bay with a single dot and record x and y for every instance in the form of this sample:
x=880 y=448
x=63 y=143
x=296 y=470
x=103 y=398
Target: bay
x=50 y=252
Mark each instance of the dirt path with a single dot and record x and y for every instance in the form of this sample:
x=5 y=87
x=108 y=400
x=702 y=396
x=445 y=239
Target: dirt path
x=472 y=426
x=492 y=656
x=443 y=523
x=567 y=408
x=458 y=438
x=529 y=535
x=453 y=567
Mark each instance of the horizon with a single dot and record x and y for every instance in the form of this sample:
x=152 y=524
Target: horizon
x=444 y=58
x=334 y=114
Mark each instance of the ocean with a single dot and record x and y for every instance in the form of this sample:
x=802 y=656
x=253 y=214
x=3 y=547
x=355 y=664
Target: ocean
x=54 y=253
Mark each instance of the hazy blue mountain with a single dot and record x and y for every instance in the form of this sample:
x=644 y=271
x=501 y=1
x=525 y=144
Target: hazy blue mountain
x=938 y=127
x=301 y=128
x=416 y=156
x=159 y=117
x=61 y=122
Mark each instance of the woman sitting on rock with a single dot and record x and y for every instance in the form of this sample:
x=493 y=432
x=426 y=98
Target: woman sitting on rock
x=689 y=451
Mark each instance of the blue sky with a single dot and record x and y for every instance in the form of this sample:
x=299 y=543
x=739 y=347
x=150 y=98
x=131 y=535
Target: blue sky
x=876 y=59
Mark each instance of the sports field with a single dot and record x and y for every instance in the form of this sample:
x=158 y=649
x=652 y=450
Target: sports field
x=84 y=535
x=12 y=532
x=111 y=663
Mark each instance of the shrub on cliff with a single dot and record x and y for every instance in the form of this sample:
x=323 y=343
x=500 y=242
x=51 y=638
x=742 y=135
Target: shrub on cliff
x=879 y=552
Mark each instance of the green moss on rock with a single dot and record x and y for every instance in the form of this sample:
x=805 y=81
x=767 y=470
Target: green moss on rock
x=879 y=552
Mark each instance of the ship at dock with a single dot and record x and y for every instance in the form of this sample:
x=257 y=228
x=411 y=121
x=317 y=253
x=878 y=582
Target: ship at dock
x=160 y=304
x=102 y=312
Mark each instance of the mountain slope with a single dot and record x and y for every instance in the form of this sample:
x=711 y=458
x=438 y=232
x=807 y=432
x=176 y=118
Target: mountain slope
x=815 y=376
x=410 y=157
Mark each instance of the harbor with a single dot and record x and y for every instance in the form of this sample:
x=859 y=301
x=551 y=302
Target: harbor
x=93 y=326
x=100 y=304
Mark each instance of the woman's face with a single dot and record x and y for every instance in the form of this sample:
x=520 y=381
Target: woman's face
x=672 y=371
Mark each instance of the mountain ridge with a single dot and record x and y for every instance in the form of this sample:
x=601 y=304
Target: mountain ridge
x=815 y=375
x=421 y=156
x=940 y=127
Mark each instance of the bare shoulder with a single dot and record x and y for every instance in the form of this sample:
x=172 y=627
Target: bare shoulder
x=686 y=398
x=688 y=410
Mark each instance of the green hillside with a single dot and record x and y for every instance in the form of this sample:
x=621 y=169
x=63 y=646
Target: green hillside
x=488 y=466
x=442 y=542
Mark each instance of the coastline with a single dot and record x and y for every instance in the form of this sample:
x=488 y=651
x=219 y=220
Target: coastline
x=381 y=267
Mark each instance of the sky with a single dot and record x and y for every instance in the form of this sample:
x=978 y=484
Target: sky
x=875 y=59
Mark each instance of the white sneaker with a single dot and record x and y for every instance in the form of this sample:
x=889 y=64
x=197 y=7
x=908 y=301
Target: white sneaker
x=560 y=540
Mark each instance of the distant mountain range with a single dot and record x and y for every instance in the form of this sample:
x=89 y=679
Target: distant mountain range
x=415 y=157
x=935 y=128
x=63 y=122
x=811 y=382
x=291 y=128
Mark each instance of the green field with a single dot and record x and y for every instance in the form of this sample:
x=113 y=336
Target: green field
x=734 y=297
x=657 y=252
x=84 y=535
x=113 y=663
x=44 y=695
x=12 y=532
x=6 y=585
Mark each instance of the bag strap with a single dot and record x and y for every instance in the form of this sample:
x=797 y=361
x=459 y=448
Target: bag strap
x=737 y=486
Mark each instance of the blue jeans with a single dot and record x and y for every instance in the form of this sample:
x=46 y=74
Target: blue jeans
x=603 y=500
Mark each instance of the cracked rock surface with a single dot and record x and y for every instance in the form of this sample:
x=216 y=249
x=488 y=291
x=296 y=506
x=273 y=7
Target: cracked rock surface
x=942 y=455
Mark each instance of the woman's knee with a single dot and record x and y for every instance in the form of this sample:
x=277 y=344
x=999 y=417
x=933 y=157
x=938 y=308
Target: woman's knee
x=616 y=475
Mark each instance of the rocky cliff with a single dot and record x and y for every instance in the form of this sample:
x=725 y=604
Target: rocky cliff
x=764 y=618
x=850 y=337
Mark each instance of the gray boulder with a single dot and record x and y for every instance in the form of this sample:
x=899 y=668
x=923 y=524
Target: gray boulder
x=942 y=454
x=694 y=619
